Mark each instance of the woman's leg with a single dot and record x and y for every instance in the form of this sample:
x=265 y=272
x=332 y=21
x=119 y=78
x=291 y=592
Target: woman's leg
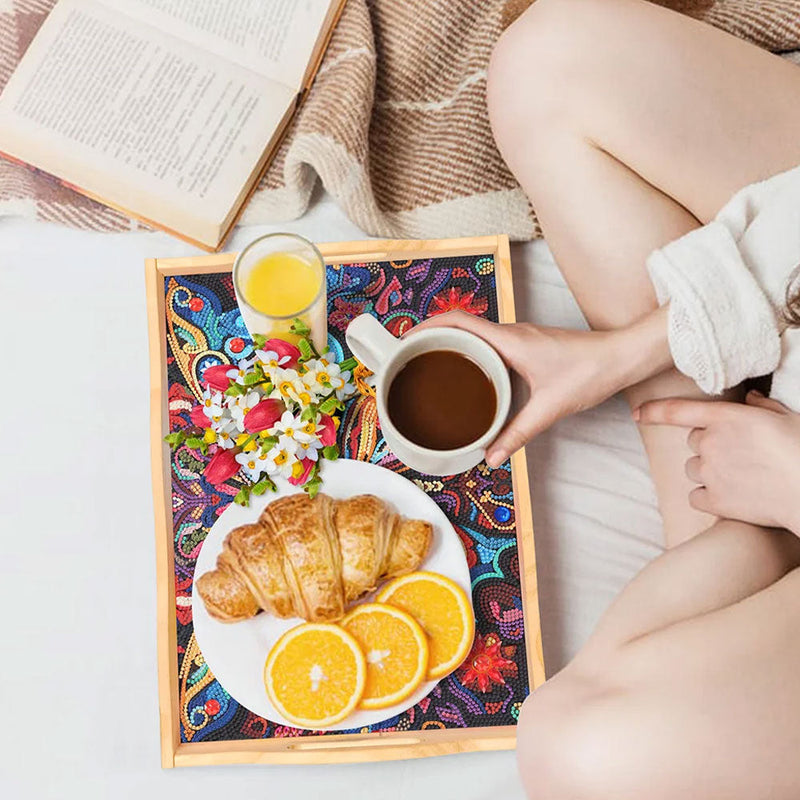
x=703 y=704
x=629 y=125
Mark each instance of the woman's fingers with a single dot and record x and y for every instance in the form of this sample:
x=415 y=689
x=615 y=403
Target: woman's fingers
x=455 y=319
x=683 y=413
x=530 y=421
x=497 y=335
x=693 y=468
x=759 y=401
x=699 y=499
x=694 y=438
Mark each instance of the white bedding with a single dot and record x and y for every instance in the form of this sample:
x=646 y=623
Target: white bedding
x=77 y=578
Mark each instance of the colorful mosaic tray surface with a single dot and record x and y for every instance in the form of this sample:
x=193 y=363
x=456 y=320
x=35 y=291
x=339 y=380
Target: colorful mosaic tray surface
x=204 y=328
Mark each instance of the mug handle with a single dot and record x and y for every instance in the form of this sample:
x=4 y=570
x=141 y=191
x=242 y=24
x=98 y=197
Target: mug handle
x=370 y=342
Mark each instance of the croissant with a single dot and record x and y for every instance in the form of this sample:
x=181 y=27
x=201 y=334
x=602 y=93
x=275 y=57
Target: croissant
x=311 y=558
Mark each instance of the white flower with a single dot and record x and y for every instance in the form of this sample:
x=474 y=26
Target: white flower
x=281 y=461
x=271 y=360
x=287 y=386
x=254 y=463
x=238 y=371
x=311 y=450
x=213 y=402
x=320 y=373
x=226 y=432
x=244 y=403
x=291 y=434
x=309 y=437
x=342 y=386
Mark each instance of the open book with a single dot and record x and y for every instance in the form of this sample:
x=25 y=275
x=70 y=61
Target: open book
x=169 y=110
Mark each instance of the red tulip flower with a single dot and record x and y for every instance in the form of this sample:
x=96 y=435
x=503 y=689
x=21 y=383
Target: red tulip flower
x=288 y=354
x=217 y=377
x=307 y=464
x=263 y=416
x=222 y=466
x=328 y=433
x=199 y=418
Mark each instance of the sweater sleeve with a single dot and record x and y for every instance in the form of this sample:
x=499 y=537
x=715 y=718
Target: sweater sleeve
x=722 y=326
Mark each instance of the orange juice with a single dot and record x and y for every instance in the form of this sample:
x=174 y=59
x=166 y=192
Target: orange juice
x=277 y=278
x=281 y=284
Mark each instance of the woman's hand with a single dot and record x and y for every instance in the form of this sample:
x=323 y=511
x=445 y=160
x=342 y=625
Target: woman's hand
x=747 y=458
x=567 y=370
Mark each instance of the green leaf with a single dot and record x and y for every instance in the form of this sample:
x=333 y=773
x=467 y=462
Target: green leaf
x=309 y=413
x=331 y=452
x=312 y=487
x=194 y=442
x=299 y=328
x=330 y=404
x=175 y=439
x=263 y=485
x=259 y=340
x=234 y=390
x=306 y=352
x=268 y=443
x=204 y=447
x=243 y=496
x=348 y=364
x=251 y=378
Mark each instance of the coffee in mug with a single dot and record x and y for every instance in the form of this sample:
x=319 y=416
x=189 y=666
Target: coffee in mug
x=442 y=400
x=442 y=394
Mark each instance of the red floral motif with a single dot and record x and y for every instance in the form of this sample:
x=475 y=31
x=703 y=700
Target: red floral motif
x=453 y=299
x=179 y=401
x=469 y=547
x=183 y=600
x=254 y=727
x=391 y=296
x=501 y=482
x=285 y=732
x=397 y=326
x=485 y=666
x=345 y=311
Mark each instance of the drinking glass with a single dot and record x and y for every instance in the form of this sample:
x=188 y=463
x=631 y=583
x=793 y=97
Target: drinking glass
x=278 y=278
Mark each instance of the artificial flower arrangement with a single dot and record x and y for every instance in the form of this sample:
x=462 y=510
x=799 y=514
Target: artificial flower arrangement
x=270 y=415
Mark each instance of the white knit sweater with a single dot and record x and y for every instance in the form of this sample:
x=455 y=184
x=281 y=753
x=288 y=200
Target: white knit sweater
x=726 y=286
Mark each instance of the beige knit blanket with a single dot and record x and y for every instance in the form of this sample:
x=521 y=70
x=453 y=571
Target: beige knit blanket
x=395 y=126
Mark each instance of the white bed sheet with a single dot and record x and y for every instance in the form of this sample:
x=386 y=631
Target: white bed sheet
x=78 y=688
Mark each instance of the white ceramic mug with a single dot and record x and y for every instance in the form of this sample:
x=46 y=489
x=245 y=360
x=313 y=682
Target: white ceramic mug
x=386 y=355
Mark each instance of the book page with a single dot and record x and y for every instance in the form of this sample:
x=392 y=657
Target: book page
x=273 y=37
x=129 y=113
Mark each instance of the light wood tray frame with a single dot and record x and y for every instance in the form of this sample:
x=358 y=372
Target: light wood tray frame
x=349 y=747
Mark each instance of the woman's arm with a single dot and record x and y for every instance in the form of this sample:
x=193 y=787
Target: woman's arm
x=747 y=458
x=566 y=370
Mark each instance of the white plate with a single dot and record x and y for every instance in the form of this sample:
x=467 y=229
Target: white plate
x=236 y=652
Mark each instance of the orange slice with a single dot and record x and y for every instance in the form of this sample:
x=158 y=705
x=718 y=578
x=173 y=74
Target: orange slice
x=396 y=649
x=442 y=609
x=315 y=675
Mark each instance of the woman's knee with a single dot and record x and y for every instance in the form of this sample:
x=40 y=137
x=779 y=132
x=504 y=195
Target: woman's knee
x=527 y=85
x=571 y=740
x=771 y=552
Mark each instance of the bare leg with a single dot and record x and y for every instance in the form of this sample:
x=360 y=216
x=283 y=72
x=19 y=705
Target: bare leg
x=689 y=687
x=628 y=126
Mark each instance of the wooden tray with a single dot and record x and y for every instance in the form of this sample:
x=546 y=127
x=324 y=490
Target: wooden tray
x=483 y=260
